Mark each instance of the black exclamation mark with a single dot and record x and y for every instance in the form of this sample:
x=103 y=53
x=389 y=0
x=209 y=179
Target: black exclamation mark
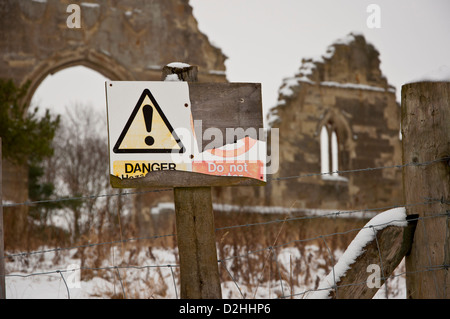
x=148 y=116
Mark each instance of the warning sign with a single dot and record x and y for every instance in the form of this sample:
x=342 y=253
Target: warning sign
x=253 y=169
x=148 y=130
x=242 y=158
x=134 y=169
x=151 y=129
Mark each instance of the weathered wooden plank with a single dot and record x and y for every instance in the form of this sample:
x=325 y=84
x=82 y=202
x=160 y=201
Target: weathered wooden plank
x=162 y=179
x=393 y=243
x=365 y=265
x=426 y=138
x=227 y=105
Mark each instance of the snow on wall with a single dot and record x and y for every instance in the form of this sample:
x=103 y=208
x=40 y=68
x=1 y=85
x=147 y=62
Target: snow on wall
x=309 y=65
x=331 y=213
x=89 y=4
x=287 y=91
x=356 y=86
x=392 y=217
x=306 y=70
x=348 y=39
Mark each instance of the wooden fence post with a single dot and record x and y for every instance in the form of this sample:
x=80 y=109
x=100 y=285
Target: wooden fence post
x=351 y=277
x=199 y=271
x=2 y=243
x=224 y=107
x=426 y=138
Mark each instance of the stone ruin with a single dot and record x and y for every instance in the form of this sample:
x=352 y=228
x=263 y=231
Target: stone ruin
x=337 y=113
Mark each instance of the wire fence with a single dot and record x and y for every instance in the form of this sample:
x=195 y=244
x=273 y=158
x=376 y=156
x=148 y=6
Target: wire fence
x=226 y=262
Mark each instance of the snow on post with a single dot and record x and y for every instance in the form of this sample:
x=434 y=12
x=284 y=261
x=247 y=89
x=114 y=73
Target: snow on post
x=177 y=71
x=382 y=242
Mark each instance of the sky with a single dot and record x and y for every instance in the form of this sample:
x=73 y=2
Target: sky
x=265 y=41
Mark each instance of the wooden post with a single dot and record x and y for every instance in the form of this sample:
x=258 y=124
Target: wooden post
x=199 y=271
x=386 y=250
x=426 y=138
x=2 y=243
x=234 y=110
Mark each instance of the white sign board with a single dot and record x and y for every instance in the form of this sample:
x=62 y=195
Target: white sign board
x=151 y=128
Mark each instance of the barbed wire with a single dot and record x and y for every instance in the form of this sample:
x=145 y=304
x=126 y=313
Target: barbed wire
x=320 y=237
x=56 y=271
x=335 y=214
x=270 y=248
x=424 y=269
x=340 y=172
x=87 y=197
x=115 y=267
x=90 y=197
x=222 y=261
x=23 y=254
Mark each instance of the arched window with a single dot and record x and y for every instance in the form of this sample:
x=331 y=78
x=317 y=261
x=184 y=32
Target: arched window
x=334 y=154
x=329 y=152
x=324 y=151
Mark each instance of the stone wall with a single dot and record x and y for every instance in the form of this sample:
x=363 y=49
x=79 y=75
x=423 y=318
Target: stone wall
x=122 y=39
x=125 y=40
x=345 y=92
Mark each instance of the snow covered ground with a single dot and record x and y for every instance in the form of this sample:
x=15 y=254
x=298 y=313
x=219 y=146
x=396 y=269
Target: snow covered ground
x=38 y=277
x=134 y=270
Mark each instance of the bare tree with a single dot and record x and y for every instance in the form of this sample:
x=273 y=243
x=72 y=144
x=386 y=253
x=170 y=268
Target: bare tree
x=79 y=167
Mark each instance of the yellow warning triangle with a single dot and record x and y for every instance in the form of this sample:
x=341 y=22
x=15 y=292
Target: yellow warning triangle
x=148 y=130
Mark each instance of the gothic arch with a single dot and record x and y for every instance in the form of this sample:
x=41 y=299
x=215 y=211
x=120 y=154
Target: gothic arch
x=95 y=61
x=335 y=122
x=121 y=39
